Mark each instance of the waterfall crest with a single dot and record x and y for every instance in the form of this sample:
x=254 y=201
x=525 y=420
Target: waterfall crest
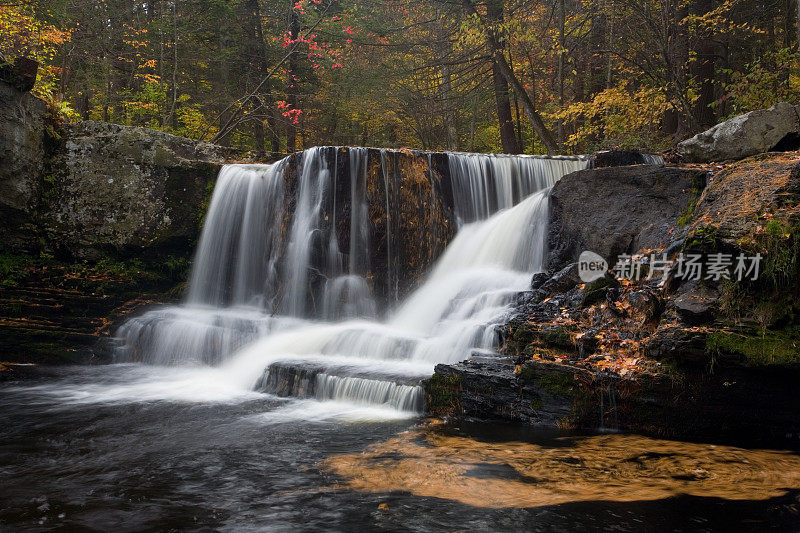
x=282 y=293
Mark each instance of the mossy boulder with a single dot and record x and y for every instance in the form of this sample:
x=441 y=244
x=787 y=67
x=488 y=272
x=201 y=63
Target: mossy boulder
x=121 y=190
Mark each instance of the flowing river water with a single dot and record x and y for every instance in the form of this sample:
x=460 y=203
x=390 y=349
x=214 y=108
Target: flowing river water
x=282 y=394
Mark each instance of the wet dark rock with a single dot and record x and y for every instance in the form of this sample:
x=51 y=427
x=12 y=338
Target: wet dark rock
x=419 y=225
x=617 y=210
x=673 y=342
x=286 y=379
x=695 y=302
x=674 y=247
x=620 y=158
x=587 y=343
x=604 y=288
x=539 y=279
x=562 y=281
x=536 y=393
x=645 y=305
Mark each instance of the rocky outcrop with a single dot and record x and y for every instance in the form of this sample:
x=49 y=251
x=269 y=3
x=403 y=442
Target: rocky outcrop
x=618 y=210
x=22 y=151
x=538 y=393
x=744 y=197
x=121 y=190
x=53 y=312
x=713 y=358
x=764 y=130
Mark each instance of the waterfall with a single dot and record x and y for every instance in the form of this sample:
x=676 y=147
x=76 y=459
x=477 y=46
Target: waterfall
x=486 y=183
x=278 y=300
x=235 y=259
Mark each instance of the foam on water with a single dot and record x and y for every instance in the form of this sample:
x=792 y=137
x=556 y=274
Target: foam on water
x=252 y=310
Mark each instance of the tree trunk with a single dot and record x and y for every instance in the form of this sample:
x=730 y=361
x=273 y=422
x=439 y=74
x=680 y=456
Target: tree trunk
x=292 y=79
x=499 y=59
x=504 y=118
x=562 y=15
x=494 y=10
x=703 y=69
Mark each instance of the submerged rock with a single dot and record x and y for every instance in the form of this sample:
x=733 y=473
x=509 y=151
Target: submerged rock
x=763 y=130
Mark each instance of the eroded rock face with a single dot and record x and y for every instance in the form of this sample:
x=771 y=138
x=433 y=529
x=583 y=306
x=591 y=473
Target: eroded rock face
x=124 y=189
x=22 y=132
x=617 y=210
x=753 y=133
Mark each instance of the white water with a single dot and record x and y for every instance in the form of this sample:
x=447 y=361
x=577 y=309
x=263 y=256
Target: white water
x=487 y=183
x=261 y=318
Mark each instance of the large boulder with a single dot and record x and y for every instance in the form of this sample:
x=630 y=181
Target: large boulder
x=764 y=130
x=742 y=198
x=617 y=210
x=119 y=189
x=22 y=133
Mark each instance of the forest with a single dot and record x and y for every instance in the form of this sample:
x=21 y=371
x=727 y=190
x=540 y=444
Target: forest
x=394 y=265
x=517 y=76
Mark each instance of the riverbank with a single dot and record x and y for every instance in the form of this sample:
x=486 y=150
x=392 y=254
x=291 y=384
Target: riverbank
x=666 y=354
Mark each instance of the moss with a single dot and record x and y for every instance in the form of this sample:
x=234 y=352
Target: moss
x=13 y=269
x=703 y=240
x=528 y=339
x=596 y=290
x=581 y=413
x=558 y=383
x=671 y=369
x=688 y=213
x=781 y=249
x=536 y=404
x=442 y=394
x=526 y=373
x=558 y=336
x=771 y=348
x=204 y=205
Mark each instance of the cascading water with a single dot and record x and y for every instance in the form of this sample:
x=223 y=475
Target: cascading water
x=277 y=304
x=486 y=183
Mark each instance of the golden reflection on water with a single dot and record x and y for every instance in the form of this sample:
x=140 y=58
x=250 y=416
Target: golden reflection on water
x=616 y=467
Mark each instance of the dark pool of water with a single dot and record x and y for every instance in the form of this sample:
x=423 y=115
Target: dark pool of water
x=80 y=451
